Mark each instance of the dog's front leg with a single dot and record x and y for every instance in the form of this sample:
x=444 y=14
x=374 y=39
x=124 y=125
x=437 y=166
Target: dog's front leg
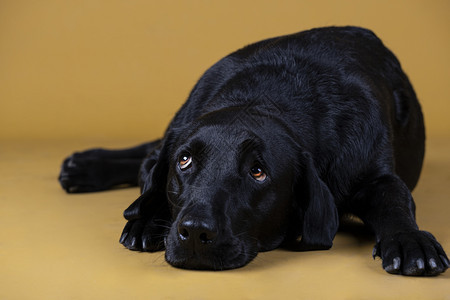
x=148 y=223
x=386 y=205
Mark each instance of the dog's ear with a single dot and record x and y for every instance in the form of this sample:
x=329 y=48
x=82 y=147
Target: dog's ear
x=319 y=212
x=153 y=198
x=133 y=211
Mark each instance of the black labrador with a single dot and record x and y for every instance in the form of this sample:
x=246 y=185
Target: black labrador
x=276 y=142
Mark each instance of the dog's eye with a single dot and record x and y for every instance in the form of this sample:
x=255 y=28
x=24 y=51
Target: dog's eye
x=185 y=161
x=258 y=173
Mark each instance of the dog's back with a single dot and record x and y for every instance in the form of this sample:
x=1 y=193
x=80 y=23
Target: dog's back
x=323 y=63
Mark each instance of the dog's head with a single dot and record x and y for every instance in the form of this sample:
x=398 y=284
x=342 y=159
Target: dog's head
x=234 y=187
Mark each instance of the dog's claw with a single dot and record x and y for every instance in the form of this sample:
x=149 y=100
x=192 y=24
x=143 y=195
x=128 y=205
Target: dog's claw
x=397 y=262
x=123 y=237
x=394 y=268
x=133 y=243
x=444 y=260
x=420 y=264
x=432 y=263
x=375 y=251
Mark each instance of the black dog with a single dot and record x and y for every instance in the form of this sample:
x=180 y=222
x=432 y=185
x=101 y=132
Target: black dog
x=276 y=141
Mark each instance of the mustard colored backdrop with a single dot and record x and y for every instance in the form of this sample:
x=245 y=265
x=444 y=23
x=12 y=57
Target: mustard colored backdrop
x=82 y=73
x=115 y=68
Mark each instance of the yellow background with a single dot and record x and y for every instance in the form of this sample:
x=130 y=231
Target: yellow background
x=78 y=74
x=118 y=68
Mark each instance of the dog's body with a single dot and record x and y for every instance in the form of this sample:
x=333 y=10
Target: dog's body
x=276 y=141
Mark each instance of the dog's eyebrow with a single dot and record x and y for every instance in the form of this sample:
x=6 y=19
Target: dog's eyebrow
x=197 y=147
x=251 y=144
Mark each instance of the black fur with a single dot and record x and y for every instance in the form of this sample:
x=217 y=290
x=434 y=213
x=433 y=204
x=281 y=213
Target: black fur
x=275 y=142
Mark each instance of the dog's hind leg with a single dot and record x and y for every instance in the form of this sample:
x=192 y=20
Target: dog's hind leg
x=101 y=169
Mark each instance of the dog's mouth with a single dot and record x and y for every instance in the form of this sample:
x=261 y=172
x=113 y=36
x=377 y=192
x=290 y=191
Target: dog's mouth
x=211 y=261
x=223 y=254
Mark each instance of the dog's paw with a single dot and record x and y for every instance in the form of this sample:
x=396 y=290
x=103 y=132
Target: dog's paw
x=144 y=235
x=415 y=253
x=83 y=172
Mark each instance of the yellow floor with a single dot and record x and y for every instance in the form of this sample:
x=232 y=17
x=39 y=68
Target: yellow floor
x=59 y=246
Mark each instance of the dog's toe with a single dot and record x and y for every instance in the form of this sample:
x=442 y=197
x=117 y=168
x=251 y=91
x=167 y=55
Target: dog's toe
x=414 y=253
x=82 y=173
x=143 y=235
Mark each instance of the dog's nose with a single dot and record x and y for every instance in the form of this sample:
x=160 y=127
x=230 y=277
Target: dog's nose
x=196 y=233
